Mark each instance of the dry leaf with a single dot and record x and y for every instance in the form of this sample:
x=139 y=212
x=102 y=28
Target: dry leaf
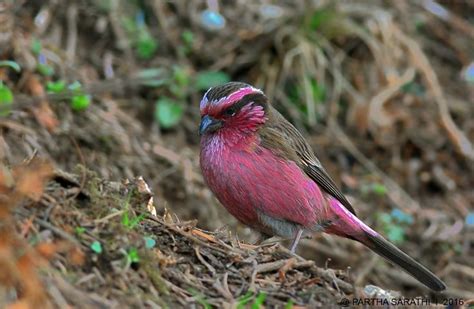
x=43 y=112
x=76 y=256
x=31 y=179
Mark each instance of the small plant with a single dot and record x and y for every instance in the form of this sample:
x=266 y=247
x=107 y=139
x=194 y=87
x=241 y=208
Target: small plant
x=187 y=37
x=244 y=300
x=11 y=64
x=79 y=100
x=168 y=109
x=321 y=17
x=296 y=94
x=36 y=46
x=131 y=223
x=289 y=304
x=127 y=221
x=179 y=82
x=132 y=256
x=79 y=230
x=150 y=243
x=56 y=87
x=259 y=300
x=96 y=246
x=6 y=100
x=6 y=95
x=395 y=224
x=247 y=298
x=376 y=188
x=168 y=113
x=43 y=67
x=318 y=90
x=144 y=43
x=414 y=88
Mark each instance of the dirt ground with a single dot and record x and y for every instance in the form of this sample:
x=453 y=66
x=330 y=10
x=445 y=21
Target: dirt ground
x=383 y=91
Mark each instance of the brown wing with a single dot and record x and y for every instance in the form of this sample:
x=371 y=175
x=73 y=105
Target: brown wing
x=285 y=140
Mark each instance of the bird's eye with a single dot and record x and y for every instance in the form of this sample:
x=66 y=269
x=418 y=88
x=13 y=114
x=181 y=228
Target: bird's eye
x=230 y=112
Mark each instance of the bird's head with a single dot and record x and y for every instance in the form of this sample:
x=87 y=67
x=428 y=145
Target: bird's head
x=232 y=107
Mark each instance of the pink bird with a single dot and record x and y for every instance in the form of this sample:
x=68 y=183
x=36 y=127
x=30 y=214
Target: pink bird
x=263 y=171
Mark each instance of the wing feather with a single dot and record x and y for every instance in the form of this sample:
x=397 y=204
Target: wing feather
x=281 y=137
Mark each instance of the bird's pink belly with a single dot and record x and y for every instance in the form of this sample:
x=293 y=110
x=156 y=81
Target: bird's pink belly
x=257 y=184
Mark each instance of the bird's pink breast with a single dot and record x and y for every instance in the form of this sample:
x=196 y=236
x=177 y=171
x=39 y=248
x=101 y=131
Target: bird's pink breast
x=250 y=180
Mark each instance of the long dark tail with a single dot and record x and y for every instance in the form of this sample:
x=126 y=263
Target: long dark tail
x=387 y=250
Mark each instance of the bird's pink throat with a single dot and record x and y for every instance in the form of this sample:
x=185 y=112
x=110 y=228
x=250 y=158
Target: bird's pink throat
x=242 y=128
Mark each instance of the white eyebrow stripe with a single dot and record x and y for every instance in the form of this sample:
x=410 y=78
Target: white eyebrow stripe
x=238 y=94
x=205 y=95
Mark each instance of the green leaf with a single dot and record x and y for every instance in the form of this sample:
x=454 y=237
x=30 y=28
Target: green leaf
x=244 y=300
x=320 y=17
x=45 y=69
x=80 y=102
x=146 y=45
x=129 y=25
x=153 y=77
x=133 y=255
x=96 y=247
x=289 y=304
x=319 y=91
x=80 y=230
x=149 y=242
x=178 y=86
x=105 y=6
x=208 y=79
x=379 y=189
x=56 y=87
x=259 y=301
x=125 y=219
x=12 y=64
x=414 y=88
x=385 y=218
x=188 y=37
x=181 y=76
x=36 y=46
x=168 y=113
x=135 y=221
x=396 y=234
x=75 y=86
x=6 y=99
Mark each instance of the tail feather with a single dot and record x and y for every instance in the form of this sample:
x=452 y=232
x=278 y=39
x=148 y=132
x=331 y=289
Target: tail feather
x=387 y=250
x=349 y=226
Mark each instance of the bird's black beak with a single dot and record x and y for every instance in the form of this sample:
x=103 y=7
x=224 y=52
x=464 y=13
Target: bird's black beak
x=209 y=124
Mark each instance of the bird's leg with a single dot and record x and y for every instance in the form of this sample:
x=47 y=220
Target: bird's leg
x=296 y=240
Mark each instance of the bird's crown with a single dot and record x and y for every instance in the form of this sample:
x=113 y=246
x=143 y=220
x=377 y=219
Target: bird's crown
x=222 y=91
x=233 y=94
